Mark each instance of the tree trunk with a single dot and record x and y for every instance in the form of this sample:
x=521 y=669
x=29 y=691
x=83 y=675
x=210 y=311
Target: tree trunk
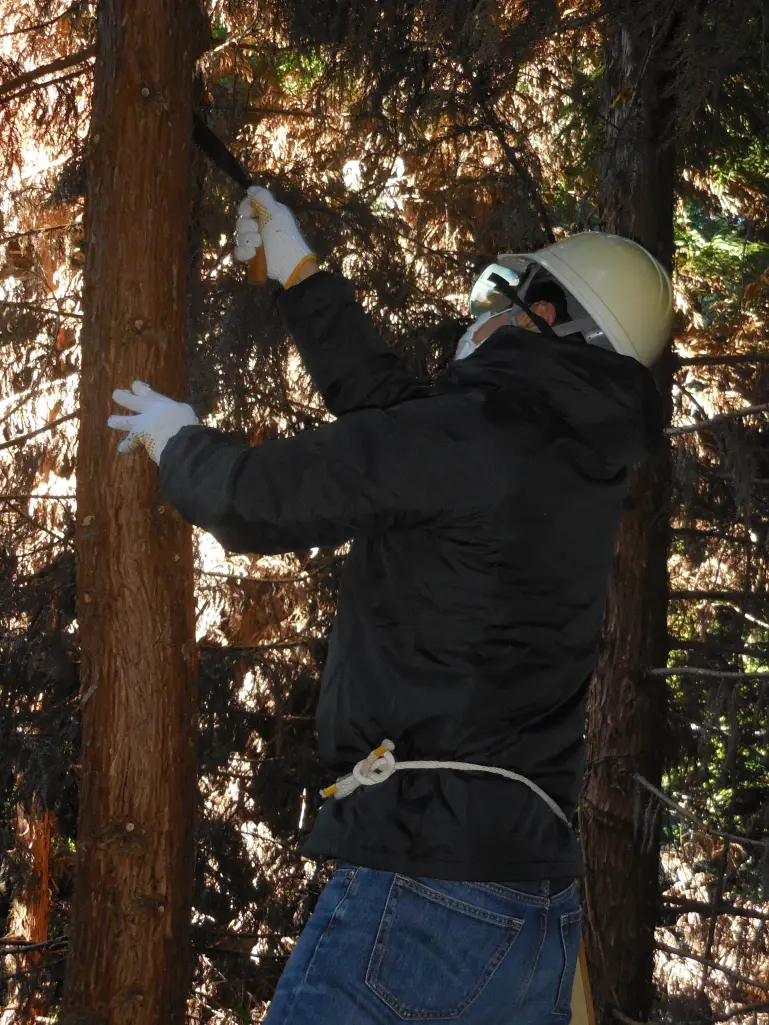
x=130 y=954
x=30 y=911
x=627 y=709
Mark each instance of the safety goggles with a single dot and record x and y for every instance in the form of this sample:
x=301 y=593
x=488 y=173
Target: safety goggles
x=486 y=296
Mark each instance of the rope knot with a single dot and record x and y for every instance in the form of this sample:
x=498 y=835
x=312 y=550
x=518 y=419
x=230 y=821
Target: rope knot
x=374 y=768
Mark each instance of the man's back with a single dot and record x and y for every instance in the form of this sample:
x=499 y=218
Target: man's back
x=472 y=636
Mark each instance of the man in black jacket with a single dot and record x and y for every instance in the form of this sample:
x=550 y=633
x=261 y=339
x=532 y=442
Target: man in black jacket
x=482 y=510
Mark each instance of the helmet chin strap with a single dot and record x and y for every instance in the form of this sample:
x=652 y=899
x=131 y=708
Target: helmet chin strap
x=505 y=287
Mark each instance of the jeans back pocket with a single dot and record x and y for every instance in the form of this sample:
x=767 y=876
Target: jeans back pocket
x=433 y=953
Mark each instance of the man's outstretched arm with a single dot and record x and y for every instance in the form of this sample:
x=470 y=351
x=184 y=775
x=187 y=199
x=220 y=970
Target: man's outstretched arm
x=369 y=472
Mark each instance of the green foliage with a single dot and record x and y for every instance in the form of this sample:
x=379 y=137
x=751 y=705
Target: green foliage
x=716 y=256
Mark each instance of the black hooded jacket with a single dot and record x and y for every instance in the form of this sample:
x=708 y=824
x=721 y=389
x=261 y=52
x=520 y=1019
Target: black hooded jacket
x=483 y=511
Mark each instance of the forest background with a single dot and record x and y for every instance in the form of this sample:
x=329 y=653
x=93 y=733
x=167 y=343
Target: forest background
x=415 y=140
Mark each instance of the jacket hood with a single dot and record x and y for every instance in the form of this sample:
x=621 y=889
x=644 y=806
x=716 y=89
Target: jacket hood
x=602 y=408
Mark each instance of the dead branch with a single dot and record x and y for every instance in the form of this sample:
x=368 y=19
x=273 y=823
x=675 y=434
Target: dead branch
x=718 y=674
x=718 y=596
x=693 y=818
x=713 y=648
x=260 y=647
x=16 y=497
x=304 y=575
x=40 y=25
x=578 y=23
x=746 y=1009
x=689 y=956
x=705 y=425
x=22 y=946
x=520 y=169
x=33 y=307
x=716 y=534
x=255 y=114
x=60 y=64
x=701 y=907
x=723 y=361
x=44 y=85
x=20 y=439
x=33 y=231
x=39 y=526
x=621 y=1016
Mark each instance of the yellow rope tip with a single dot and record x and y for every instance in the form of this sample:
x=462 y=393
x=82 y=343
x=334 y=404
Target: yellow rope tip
x=329 y=791
x=380 y=751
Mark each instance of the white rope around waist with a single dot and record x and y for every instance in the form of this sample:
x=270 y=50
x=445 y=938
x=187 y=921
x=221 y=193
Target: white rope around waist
x=381 y=764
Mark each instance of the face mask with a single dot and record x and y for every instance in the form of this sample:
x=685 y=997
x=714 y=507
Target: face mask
x=487 y=294
x=466 y=346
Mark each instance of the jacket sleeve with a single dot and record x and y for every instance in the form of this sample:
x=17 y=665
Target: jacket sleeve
x=365 y=473
x=348 y=362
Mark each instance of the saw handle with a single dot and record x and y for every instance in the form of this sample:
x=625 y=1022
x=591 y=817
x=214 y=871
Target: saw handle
x=257 y=267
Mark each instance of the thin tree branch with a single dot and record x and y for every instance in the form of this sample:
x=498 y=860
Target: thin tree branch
x=40 y=526
x=260 y=647
x=520 y=168
x=33 y=307
x=255 y=114
x=60 y=64
x=714 y=648
x=751 y=596
x=47 y=498
x=33 y=231
x=705 y=425
x=626 y=1020
x=33 y=970
x=34 y=390
x=44 y=85
x=22 y=946
x=749 y=616
x=719 y=674
x=20 y=439
x=304 y=575
x=693 y=818
x=689 y=956
x=216 y=45
x=746 y=1009
x=577 y=23
x=717 y=534
x=40 y=24
x=719 y=909
x=723 y=361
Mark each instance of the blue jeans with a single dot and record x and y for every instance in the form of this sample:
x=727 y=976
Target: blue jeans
x=381 y=949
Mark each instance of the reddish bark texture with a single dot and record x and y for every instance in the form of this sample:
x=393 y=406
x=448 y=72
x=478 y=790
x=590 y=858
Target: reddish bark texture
x=129 y=957
x=627 y=708
x=30 y=910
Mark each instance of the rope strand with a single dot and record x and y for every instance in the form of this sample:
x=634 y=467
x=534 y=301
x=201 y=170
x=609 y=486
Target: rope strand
x=381 y=764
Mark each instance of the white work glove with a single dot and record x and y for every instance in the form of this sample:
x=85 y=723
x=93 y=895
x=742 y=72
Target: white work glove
x=159 y=419
x=247 y=236
x=261 y=219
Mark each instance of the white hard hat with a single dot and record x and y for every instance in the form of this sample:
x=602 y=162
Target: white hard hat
x=621 y=287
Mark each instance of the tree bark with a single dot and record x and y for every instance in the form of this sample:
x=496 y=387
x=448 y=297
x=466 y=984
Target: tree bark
x=129 y=958
x=626 y=714
x=30 y=910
